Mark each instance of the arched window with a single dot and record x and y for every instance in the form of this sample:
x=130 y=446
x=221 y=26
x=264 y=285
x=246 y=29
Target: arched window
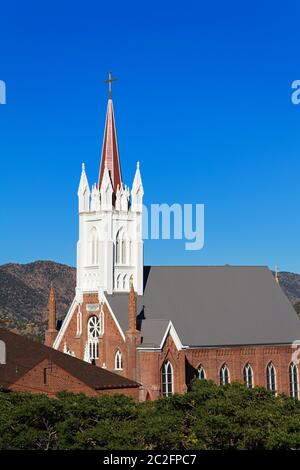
x=201 y=373
x=294 y=382
x=271 y=378
x=118 y=361
x=93 y=337
x=123 y=259
x=2 y=352
x=121 y=251
x=224 y=375
x=167 y=379
x=79 y=322
x=125 y=281
x=94 y=243
x=248 y=376
x=118 y=281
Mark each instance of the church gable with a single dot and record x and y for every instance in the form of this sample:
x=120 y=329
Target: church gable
x=92 y=333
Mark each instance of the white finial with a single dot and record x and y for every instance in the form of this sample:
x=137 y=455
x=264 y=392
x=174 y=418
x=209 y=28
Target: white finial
x=83 y=167
x=138 y=165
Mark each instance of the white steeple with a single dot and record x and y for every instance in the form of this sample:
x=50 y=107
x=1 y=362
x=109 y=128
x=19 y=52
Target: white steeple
x=95 y=199
x=83 y=192
x=137 y=191
x=106 y=191
x=110 y=245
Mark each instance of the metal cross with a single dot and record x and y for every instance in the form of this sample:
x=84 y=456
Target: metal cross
x=109 y=81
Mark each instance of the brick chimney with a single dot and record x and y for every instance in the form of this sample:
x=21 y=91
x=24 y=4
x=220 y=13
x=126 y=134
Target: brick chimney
x=51 y=332
x=133 y=337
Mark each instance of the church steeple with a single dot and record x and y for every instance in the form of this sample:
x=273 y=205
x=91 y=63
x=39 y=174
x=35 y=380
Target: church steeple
x=110 y=153
x=51 y=332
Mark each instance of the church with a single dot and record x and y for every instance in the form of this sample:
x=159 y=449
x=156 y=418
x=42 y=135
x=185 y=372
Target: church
x=162 y=326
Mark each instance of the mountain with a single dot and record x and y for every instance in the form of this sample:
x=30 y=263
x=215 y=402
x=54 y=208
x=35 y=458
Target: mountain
x=24 y=290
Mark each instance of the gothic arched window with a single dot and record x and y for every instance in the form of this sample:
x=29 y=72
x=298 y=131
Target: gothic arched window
x=125 y=281
x=79 y=322
x=271 y=378
x=248 y=376
x=121 y=248
x=94 y=247
x=167 y=379
x=294 y=381
x=224 y=375
x=94 y=331
x=118 y=360
x=201 y=373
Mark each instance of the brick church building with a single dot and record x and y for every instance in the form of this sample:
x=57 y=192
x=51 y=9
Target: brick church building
x=164 y=325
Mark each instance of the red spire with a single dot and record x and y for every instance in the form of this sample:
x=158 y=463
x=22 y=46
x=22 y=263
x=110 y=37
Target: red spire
x=110 y=153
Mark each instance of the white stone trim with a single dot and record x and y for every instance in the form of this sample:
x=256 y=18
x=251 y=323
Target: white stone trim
x=173 y=333
x=112 y=314
x=65 y=324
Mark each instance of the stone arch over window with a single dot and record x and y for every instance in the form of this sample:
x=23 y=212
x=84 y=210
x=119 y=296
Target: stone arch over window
x=294 y=380
x=224 y=375
x=118 y=281
x=167 y=379
x=2 y=353
x=94 y=331
x=118 y=360
x=94 y=247
x=248 y=376
x=271 y=378
x=201 y=374
x=124 y=282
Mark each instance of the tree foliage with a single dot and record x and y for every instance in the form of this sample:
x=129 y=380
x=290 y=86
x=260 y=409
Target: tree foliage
x=207 y=417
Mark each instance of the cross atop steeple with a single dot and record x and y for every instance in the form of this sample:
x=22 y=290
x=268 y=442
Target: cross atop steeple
x=109 y=81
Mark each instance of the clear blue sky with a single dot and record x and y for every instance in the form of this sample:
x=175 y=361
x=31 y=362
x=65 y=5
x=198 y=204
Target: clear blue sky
x=203 y=100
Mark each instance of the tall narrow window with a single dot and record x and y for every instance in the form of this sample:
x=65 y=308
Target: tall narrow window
x=123 y=252
x=248 y=376
x=117 y=251
x=118 y=281
x=2 y=352
x=201 y=373
x=94 y=242
x=224 y=375
x=121 y=248
x=118 y=361
x=294 y=382
x=125 y=282
x=271 y=378
x=167 y=379
x=93 y=337
x=79 y=322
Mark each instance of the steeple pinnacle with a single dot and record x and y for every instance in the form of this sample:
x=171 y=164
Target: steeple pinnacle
x=51 y=332
x=110 y=153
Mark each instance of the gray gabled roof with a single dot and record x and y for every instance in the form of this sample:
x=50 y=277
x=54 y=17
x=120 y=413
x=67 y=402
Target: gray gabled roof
x=212 y=306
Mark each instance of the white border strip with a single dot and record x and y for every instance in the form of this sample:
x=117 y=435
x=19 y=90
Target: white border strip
x=65 y=324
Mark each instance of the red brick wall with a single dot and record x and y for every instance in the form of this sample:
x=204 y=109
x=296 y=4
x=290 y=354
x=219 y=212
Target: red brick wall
x=109 y=342
x=186 y=363
x=58 y=380
x=146 y=367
